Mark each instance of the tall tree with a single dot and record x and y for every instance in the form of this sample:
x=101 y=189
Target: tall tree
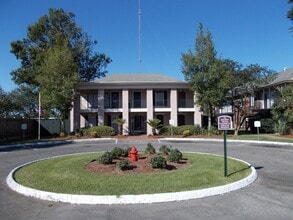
x=205 y=73
x=55 y=38
x=243 y=82
x=57 y=78
x=283 y=108
x=290 y=13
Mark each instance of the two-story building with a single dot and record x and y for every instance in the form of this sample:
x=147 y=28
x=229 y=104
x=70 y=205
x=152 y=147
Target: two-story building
x=135 y=98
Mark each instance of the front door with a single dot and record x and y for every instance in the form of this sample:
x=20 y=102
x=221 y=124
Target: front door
x=138 y=124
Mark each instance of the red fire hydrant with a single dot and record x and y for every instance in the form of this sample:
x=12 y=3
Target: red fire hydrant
x=133 y=154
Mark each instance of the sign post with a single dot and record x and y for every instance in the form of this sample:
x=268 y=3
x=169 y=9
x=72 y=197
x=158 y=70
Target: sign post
x=224 y=124
x=257 y=124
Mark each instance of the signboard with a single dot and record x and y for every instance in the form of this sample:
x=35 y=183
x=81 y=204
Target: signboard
x=23 y=126
x=257 y=124
x=225 y=122
x=171 y=122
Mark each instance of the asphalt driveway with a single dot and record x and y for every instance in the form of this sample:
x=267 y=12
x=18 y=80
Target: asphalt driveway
x=269 y=197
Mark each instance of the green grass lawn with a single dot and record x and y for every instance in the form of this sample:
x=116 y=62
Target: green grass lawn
x=67 y=175
x=261 y=137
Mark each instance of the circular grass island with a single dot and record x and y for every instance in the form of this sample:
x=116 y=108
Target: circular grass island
x=68 y=179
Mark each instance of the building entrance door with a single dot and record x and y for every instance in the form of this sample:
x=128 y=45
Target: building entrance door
x=138 y=124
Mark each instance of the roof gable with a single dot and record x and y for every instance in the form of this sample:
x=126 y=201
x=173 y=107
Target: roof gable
x=285 y=76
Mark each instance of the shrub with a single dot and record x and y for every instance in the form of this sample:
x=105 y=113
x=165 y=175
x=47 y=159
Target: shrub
x=186 y=133
x=117 y=152
x=158 y=162
x=164 y=149
x=282 y=127
x=213 y=131
x=62 y=134
x=150 y=149
x=169 y=130
x=100 y=130
x=175 y=155
x=123 y=165
x=93 y=134
x=193 y=129
x=106 y=158
x=267 y=125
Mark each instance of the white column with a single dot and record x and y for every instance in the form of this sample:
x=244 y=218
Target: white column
x=150 y=109
x=101 y=109
x=174 y=107
x=197 y=114
x=125 y=111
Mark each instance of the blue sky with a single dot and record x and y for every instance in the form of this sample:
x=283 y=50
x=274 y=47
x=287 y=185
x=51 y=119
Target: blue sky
x=250 y=31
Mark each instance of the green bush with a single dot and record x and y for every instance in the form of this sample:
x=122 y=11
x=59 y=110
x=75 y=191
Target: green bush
x=106 y=158
x=123 y=165
x=175 y=155
x=158 y=162
x=267 y=125
x=186 y=133
x=193 y=129
x=93 y=134
x=164 y=149
x=169 y=130
x=117 y=152
x=150 y=149
x=282 y=127
x=100 y=131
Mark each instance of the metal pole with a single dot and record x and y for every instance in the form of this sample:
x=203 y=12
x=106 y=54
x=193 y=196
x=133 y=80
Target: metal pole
x=225 y=153
x=39 y=123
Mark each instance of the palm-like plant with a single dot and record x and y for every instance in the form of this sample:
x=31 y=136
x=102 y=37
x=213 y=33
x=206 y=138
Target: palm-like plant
x=119 y=122
x=154 y=123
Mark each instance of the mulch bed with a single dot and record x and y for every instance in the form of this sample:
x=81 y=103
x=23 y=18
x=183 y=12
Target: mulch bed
x=136 y=167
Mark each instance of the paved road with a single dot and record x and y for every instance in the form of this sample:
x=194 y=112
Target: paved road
x=270 y=197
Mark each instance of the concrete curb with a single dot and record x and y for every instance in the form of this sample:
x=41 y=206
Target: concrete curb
x=127 y=199
x=221 y=140
x=53 y=143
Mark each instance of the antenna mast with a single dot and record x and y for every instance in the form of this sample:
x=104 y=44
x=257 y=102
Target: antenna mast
x=139 y=36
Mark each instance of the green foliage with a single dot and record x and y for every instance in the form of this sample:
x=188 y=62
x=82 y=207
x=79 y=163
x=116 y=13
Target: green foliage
x=164 y=149
x=175 y=155
x=158 y=162
x=267 y=125
x=119 y=152
x=290 y=13
x=119 y=122
x=193 y=129
x=123 y=165
x=186 y=133
x=101 y=131
x=55 y=55
x=154 y=123
x=282 y=127
x=106 y=158
x=150 y=149
x=169 y=130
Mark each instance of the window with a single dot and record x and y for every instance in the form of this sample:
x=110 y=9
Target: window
x=136 y=99
x=115 y=100
x=111 y=100
x=160 y=99
x=182 y=99
x=92 y=100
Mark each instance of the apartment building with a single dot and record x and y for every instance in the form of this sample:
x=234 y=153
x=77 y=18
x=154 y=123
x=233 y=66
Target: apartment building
x=264 y=97
x=135 y=98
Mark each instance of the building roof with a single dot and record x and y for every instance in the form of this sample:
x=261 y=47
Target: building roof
x=135 y=81
x=282 y=77
x=138 y=78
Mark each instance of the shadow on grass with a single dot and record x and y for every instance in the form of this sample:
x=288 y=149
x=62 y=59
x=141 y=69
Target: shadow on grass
x=238 y=171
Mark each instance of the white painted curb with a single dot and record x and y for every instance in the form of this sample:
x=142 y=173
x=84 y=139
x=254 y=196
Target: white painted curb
x=128 y=199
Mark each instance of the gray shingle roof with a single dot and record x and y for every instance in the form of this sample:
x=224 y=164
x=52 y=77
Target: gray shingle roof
x=124 y=78
x=285 y=76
